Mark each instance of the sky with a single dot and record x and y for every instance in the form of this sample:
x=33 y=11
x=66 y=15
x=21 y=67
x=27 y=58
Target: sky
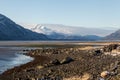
x=85 y=13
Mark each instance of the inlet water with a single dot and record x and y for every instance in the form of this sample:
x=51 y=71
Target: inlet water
x=11 y=57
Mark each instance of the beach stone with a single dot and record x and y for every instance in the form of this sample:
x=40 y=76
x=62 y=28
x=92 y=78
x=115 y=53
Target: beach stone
x=110 y=47
x=118 y=48
x=97 y=52
x=85 y=76
x=55 y=52
x=101 y=79
x=58 y=78
x=29 y=70
x=39 y=67
x=55 y=62
x=45 y=78
x=104 y=74
x=39 y=79
x=32 y=79
x=113 y=73
x=17 y=78
x=33 y=53
x=49 y=71
x=66 y=60
x=117 y=63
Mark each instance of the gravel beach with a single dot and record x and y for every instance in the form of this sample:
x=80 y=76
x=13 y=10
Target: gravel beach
x=73 y=63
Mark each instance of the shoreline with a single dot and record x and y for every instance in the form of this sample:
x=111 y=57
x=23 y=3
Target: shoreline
x=50 y=63
x=11 y=57
x=33 y=63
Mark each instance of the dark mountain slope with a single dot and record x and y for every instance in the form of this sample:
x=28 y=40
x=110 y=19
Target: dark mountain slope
x=113 y=36
x=9 y=30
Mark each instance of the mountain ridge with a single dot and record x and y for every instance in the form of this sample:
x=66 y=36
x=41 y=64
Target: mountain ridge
x=73 y=30
x=62 y=36
x=9 y=30
x=113 y=36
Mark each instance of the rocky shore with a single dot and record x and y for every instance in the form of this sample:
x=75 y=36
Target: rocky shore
x=73 y=63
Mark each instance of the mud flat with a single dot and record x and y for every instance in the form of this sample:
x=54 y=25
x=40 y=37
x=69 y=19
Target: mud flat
x=54 y=43
x=68 y=63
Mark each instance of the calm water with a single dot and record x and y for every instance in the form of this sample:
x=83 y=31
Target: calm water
x=11 y=57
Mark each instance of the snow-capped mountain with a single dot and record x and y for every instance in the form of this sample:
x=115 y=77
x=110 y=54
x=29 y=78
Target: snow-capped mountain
x=73 y=30
x=53 y=34
x=42 y=29
x=48 y=32
x=9 y=30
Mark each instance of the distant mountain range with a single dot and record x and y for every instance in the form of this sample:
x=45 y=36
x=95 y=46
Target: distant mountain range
x=57 y=35
x=9 y=30
x=113 y=36
x=72 y=30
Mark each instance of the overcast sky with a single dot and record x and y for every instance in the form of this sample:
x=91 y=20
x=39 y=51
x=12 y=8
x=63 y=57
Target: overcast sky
x=88 y=13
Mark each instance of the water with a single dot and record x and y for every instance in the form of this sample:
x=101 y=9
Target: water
x=11 y=57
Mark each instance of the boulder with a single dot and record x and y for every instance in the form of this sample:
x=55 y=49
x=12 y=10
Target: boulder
x=110 y=47
x=66 y=60
x=97 y=52
x=55 y=62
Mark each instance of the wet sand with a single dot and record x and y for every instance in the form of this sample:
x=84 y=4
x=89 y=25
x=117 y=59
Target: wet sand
x=54 y=43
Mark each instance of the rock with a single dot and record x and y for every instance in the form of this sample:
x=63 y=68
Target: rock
x=33 y=53
x=85 y=76
x=113 y=73
x=29 y=70
x=49 y=71
x=32 y=79
x=55 y=62
x=97 y=52
x=66 y=60
x=101 y=79
x=17 y=78
x=118 y=48
x=55 y=52
x=117 y=63
x=104 y=74
x=39 y=67
x=45 y=78
x=29 y=79
x=110 y=47
x=114 y=68
x=58 y=78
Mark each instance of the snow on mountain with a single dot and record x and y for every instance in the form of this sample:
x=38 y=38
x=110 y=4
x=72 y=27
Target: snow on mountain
x=42 y=29
x=46 y=29
x=61 y=32
x=71 y=30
